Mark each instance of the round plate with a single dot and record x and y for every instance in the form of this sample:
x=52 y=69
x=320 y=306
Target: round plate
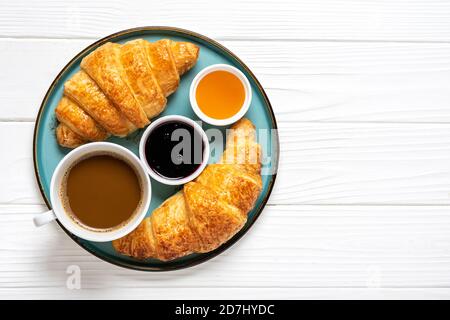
x=47 y=153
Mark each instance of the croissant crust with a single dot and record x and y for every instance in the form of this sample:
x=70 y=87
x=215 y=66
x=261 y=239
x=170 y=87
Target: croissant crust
x=208 y=211
x=119 y=88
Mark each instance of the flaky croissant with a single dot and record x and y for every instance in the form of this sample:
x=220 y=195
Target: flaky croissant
x=119 y=88
x=209 y=210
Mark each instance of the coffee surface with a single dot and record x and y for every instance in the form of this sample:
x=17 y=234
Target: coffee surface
x=102 y=191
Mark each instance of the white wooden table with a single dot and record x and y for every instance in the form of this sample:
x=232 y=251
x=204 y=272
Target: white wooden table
x=361 y=91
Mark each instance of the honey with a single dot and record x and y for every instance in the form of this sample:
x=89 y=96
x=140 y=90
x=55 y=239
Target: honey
x=220 y=94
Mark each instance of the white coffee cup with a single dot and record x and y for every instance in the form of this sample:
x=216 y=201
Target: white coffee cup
x=58 y=211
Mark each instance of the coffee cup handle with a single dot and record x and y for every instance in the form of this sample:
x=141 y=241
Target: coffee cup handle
x=43 y=218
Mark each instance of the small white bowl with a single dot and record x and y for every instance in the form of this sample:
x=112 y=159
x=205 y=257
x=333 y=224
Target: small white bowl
x=159 y=122
x=244 y=107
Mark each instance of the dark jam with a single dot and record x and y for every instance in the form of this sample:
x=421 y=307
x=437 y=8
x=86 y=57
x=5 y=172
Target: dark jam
x=174 y=150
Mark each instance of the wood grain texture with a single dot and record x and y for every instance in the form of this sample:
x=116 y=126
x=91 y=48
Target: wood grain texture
x=290 y=247
x=366 y=163
x=417 y=20
x=334 y=163
x=316 y=82
x=226 y=293
x=18 y=182
x=360 y=208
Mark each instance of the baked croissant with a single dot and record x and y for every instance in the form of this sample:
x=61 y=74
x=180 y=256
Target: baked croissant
x=119 y=88
x=209 y=210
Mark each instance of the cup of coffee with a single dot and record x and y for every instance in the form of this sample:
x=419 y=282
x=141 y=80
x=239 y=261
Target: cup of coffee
x=99 y=192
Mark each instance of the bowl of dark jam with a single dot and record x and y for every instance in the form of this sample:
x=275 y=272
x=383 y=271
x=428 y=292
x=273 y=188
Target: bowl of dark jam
x=174 y=150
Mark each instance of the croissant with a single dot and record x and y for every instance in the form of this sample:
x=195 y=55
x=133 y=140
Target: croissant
x=119 y=88
x=209 y=210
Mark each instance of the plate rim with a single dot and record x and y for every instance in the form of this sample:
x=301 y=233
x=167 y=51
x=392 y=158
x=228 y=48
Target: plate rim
x=205 y=256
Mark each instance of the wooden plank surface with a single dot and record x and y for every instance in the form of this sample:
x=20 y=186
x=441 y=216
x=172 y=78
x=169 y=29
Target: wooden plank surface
x=413 y=20
x=326 y=82
x=320 y=163
x=227 y=293
x=361 y=93
x=289 y=247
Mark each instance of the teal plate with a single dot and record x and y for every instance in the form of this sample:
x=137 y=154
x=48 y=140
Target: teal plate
x=47 y=153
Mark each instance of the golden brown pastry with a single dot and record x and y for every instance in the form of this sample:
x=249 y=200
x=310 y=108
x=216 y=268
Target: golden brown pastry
x=184 y=53
x=75 y=118
x=242 y=148
x=67 y=138
x=84 y=91
x=120 y=87
x=208 y=211
x=141 y=78
x=104 y=65
x=163 y=65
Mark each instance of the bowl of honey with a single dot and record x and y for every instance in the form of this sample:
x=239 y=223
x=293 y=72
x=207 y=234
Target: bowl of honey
x=220 y=94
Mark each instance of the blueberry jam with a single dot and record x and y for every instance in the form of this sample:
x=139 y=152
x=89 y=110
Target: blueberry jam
x=174 y=150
